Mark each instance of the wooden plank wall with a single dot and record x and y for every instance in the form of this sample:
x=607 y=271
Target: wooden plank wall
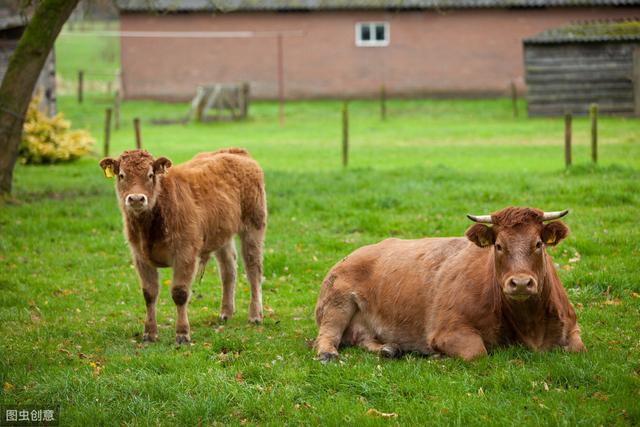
x=569 y=77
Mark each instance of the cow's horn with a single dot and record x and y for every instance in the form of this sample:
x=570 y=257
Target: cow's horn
x=548 y=216
x=486 y=219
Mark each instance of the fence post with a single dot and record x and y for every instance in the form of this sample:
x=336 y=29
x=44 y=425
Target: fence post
x=107 y=131
x=567 y=139
x=383 y=103
x=514 y=99
x=116 y=110
x=345 y=133
x=80 y=85
x=593 y=112
x=136 y=127
x=245 y=99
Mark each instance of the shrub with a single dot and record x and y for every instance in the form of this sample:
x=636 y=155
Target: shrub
x=50 y=140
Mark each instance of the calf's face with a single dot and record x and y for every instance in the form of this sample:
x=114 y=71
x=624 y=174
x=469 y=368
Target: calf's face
x=137 y=179
x=519 y=253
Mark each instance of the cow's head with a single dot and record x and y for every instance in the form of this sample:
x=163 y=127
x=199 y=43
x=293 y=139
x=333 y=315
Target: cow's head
x=137 y=178
x=518 y=237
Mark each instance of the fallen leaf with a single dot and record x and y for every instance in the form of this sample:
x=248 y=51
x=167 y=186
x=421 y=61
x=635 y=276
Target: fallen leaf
x=239 y=377
x=545 y=386
x=65 y=352
x=7 y=387
x=375 y=413
x=614 y=301
x=600 y=396
x=480 y=392
x=635 y=295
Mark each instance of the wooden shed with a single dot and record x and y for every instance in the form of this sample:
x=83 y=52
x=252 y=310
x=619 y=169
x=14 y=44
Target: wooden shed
x=12 y=25
x=568 y=68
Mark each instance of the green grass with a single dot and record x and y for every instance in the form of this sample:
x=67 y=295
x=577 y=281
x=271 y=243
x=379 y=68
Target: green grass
x=71 y=312
x=81 y=48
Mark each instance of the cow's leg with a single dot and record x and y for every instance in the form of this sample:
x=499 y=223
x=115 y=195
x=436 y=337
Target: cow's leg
x=252 y=239
x=463 y=343
x=183 y=272
x=388 y=350
x=337 y=312
x=226 y=257
x=149 y=283
x=574 y=343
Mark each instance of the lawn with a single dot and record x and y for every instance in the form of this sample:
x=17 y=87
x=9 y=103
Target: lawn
x=71 y=311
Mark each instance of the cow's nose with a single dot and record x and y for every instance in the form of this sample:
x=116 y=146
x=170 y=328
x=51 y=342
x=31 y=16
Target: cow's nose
x=136 y=199
x=521 y=283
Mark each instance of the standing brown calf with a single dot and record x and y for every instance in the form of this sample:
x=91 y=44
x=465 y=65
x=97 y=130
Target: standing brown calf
x=176 y=217
x=452 y=296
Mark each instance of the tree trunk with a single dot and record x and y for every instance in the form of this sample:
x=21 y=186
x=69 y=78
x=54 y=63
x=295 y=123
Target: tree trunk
x=22 y=74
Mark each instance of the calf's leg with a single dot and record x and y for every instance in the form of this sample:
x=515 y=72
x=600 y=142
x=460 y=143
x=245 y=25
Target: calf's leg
x=252 y=240
x=149 y=283
x=226 y=257
x=183 y=272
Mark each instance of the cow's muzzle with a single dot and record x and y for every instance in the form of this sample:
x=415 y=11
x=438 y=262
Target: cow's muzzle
x=520 y=287
x=136 y=202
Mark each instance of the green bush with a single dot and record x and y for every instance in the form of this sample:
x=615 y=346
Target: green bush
x=50 y=139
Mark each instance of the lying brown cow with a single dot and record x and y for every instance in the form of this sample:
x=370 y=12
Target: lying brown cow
x=452 y=296
x=177 y=217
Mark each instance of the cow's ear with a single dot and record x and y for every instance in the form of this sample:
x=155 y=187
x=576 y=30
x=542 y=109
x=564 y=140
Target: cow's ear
x=110 y=166
x=480 y=234
x=161 y=164
x=554 y=232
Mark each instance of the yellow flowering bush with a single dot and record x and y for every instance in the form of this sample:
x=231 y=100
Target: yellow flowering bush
x=50 y=139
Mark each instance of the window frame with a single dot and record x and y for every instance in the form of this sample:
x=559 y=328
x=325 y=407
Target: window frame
x=372 y=28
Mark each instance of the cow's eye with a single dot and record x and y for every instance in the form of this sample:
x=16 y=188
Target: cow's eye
x=539 y=244
x=121 y=176
x=151 y=176
x=498 y=247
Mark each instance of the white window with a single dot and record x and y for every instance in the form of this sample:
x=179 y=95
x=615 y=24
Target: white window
x=372 y=34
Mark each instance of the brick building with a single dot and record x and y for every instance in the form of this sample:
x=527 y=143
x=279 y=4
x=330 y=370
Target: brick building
x=337 y=48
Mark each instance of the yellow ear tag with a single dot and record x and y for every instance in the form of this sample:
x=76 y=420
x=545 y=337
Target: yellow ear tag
x=108 y=172
x=551 y=239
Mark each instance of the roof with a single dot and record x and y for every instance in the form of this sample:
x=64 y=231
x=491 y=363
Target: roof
x=627 y=30
x=284 y=5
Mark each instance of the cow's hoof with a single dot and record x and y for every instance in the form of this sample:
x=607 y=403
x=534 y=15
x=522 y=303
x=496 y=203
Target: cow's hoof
x=389 y=351
x=182 y=339
x=255 y=320
x=327 y=357
x=147 y=337
x=224 y=317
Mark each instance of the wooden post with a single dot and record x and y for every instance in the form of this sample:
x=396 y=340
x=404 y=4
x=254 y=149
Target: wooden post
x=383 y=103
x=593 y=112
x=345 y=133
x=636 y=80
x=244 y=95
x=136 y=127
x=280 y=79
x=80 y=85
x=514 y=99
x=116 y=110
x=567 y=139
x=107 y=131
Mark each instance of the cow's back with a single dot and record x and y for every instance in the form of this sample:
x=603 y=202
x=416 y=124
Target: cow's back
x=224 y=192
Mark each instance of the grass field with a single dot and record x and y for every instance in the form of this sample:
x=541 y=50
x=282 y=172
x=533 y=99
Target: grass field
x=71 y=312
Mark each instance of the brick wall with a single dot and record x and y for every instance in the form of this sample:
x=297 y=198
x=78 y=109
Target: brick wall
x=453 y=53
